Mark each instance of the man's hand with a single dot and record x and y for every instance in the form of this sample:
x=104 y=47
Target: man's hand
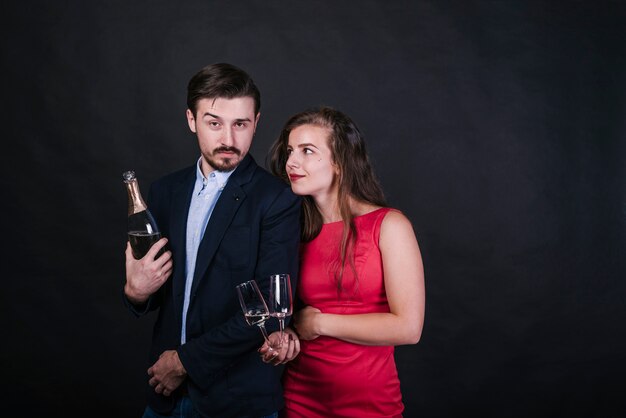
x=146 y=276
x=167 y=373
x=280 y=355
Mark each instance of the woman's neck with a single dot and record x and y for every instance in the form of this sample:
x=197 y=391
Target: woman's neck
x=328 y=207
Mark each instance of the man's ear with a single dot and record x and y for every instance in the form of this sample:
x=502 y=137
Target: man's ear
x=256 y=120
x=191 y=121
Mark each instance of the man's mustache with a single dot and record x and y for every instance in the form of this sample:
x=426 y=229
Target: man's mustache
x=226 y=149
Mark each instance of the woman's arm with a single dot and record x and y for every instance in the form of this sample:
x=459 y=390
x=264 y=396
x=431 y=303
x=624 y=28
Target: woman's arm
x=404 y=285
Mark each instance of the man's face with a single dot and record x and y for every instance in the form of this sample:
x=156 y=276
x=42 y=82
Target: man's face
x=225 y=128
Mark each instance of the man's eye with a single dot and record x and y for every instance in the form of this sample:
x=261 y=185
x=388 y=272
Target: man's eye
x=214 y=124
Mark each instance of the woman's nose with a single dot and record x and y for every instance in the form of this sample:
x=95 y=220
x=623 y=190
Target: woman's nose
x=292 y=161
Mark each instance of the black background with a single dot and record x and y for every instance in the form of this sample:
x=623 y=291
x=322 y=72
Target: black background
x=496 y=126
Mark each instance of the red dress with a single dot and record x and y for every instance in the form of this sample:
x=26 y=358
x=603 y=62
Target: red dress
x=331 y=377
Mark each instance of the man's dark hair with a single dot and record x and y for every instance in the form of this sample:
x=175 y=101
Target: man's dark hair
x=221 y=81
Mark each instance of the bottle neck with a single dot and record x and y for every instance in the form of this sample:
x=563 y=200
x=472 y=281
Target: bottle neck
x=136 y=203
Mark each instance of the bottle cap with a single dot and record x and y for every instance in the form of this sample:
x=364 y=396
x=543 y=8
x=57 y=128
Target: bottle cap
x=128 y=175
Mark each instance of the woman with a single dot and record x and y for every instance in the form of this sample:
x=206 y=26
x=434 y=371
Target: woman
x=361 y=277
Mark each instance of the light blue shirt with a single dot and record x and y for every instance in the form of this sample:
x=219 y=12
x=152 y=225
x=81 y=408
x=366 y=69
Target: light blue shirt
x=206 y=191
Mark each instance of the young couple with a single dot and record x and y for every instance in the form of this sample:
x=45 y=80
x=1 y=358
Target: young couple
x=355 y=266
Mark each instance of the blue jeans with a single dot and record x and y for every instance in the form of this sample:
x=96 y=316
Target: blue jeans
x=184 y=409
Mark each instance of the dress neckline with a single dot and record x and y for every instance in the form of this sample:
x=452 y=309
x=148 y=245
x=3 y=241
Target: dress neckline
x=357 y=217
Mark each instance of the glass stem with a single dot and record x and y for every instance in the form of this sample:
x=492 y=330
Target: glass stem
x=265 y=336
x=281 y=322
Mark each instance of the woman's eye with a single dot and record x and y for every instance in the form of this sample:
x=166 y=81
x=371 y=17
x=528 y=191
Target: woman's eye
x=307 y=150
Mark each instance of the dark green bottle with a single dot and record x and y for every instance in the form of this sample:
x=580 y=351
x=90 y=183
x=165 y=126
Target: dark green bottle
x=143 y=231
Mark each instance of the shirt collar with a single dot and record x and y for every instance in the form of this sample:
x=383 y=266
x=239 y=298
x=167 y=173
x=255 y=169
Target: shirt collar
x=221 y=177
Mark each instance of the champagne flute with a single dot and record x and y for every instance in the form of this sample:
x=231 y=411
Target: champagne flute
x=280 y=303
x=253 y=306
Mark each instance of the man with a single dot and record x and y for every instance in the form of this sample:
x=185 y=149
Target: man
x=226 y=221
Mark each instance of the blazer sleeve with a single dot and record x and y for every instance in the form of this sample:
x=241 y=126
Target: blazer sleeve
x=206 y=357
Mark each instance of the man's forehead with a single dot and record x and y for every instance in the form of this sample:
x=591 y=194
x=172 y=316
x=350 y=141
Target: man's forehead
x=215 y=102
x=240 y=107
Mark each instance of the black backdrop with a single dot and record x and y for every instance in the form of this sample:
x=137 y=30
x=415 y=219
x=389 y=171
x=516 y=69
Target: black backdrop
x=496 y=126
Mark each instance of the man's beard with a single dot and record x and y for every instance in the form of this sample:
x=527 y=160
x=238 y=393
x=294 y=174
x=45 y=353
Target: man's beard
x=224 y=164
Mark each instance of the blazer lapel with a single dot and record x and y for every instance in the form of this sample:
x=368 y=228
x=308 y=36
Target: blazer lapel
x=225 y=209
x=178 y=235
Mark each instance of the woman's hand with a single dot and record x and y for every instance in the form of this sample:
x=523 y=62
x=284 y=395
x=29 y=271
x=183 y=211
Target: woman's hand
x=307 y=323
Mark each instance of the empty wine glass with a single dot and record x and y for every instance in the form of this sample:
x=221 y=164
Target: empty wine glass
x=253 y=306
x=280 y=303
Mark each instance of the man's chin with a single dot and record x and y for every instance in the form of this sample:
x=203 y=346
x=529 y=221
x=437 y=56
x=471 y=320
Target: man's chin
x=224 y=164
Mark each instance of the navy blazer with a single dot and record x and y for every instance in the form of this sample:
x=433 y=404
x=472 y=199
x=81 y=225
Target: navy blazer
x=254 y=231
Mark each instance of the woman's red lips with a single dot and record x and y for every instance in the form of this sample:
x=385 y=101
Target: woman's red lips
x=294 y=177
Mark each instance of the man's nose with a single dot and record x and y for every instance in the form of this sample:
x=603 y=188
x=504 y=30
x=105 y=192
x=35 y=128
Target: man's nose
x=228 y=137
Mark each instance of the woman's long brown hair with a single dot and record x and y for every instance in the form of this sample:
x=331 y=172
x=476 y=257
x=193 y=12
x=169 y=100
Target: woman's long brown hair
x=356 y=177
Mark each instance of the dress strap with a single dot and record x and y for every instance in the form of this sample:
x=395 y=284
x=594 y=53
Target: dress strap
x=380 y=215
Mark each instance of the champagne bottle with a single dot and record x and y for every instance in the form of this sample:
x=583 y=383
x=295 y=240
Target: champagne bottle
x=142 y=228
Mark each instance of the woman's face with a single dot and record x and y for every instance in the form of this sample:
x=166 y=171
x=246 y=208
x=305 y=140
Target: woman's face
x=310 y=165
